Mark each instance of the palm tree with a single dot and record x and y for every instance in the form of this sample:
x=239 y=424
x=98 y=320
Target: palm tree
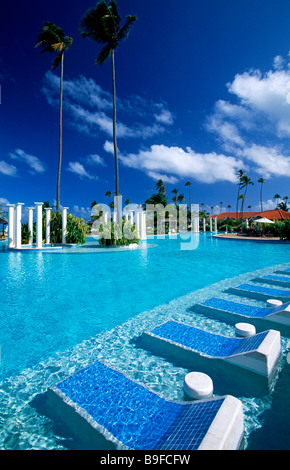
x=240 y=174
x=283 y=206
x=188 y=183
x=262 y=181
x=102 y=24
x=52 y=39
x=277 y=197
x=245 y=182
x=181 y=198
x=94 y=203
x=160 y=187
x=242 y=197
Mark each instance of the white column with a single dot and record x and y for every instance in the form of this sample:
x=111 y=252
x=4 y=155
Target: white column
x=137 y=215
x=210 y=224
x=114 y=217
x=132 y=217
x=142 y=226
x=126 y=216
x=47 y=225
x=38 y=224
x=11 y=239
x=106 y=217
x=30 y=225
x=204 y=227
x=18 y=215
x=215 y=224
x=64 y=223
x=196 y=224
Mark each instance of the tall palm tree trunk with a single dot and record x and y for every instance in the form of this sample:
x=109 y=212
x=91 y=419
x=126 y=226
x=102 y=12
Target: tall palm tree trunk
x=60 y=136
x=261 y=199
x=115 y=137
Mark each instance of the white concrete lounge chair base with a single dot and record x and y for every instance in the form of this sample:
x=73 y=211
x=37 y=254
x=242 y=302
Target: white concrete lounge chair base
x=119 y=413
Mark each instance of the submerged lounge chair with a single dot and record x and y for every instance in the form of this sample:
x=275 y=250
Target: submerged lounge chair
x=279 y=314
x=123 y=414
x=260 y=292
x=258 y=353
x=282 y=281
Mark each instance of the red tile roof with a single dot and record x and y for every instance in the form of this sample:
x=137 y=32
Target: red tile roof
x=275 y=214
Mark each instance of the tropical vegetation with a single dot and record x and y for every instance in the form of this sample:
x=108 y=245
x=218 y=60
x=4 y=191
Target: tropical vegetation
x=77 y=229
x=115 y=235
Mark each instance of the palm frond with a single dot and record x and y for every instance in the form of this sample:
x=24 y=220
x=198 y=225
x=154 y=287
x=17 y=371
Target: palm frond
x=102 y=24
x=92 y=24
x=52 y=39
x=57 y=60
x=104 y=54
x=68 y=42
x=114 y=12
x=124 y=31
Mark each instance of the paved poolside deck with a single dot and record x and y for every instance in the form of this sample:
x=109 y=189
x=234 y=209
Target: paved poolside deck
x=235 y=236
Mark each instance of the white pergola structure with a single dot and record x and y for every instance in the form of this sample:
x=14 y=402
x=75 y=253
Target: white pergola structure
x=14 y=225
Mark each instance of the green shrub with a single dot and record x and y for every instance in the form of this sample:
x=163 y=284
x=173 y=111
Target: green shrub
x=77 y=229
x=283 y=229
x=118 y=234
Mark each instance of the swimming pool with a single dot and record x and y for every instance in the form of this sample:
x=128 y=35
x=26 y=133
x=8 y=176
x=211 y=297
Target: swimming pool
x=61 y=311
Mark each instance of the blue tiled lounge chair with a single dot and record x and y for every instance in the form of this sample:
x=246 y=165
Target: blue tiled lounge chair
x=279 y=315
x=260 y=292
x=258 y=353
x=282 y=281
x=126 y=415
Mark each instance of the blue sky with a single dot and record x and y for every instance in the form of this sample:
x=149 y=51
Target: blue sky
x=203 y=90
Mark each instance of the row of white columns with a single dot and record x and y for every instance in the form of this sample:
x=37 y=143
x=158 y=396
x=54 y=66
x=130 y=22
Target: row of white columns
x=14 y=224
x=140 y=221
x=210 y=225
x=196 y=224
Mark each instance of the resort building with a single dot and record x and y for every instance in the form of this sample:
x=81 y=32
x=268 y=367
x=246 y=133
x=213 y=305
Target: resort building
x=275 y=214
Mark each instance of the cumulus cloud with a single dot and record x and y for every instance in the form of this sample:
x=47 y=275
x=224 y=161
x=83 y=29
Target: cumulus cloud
x=36 y=166
x=256 y=129
x=175 y=162
x=90 y=109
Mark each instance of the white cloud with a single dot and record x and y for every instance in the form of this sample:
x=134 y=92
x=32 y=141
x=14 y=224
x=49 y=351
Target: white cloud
x=90 y=109
x=35 y=164
x=164 y=115
x=79 y=169
x=109 y=147
x=269 y=161
x=165 y=178
x=278 y=62
x=178 y=163
x=83 y=212
x=266 y=95
x=257 y=128
x=7 y=169
x=95 y=160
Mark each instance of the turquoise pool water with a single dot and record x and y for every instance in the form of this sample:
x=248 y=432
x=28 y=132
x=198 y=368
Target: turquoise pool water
x=60 y=311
